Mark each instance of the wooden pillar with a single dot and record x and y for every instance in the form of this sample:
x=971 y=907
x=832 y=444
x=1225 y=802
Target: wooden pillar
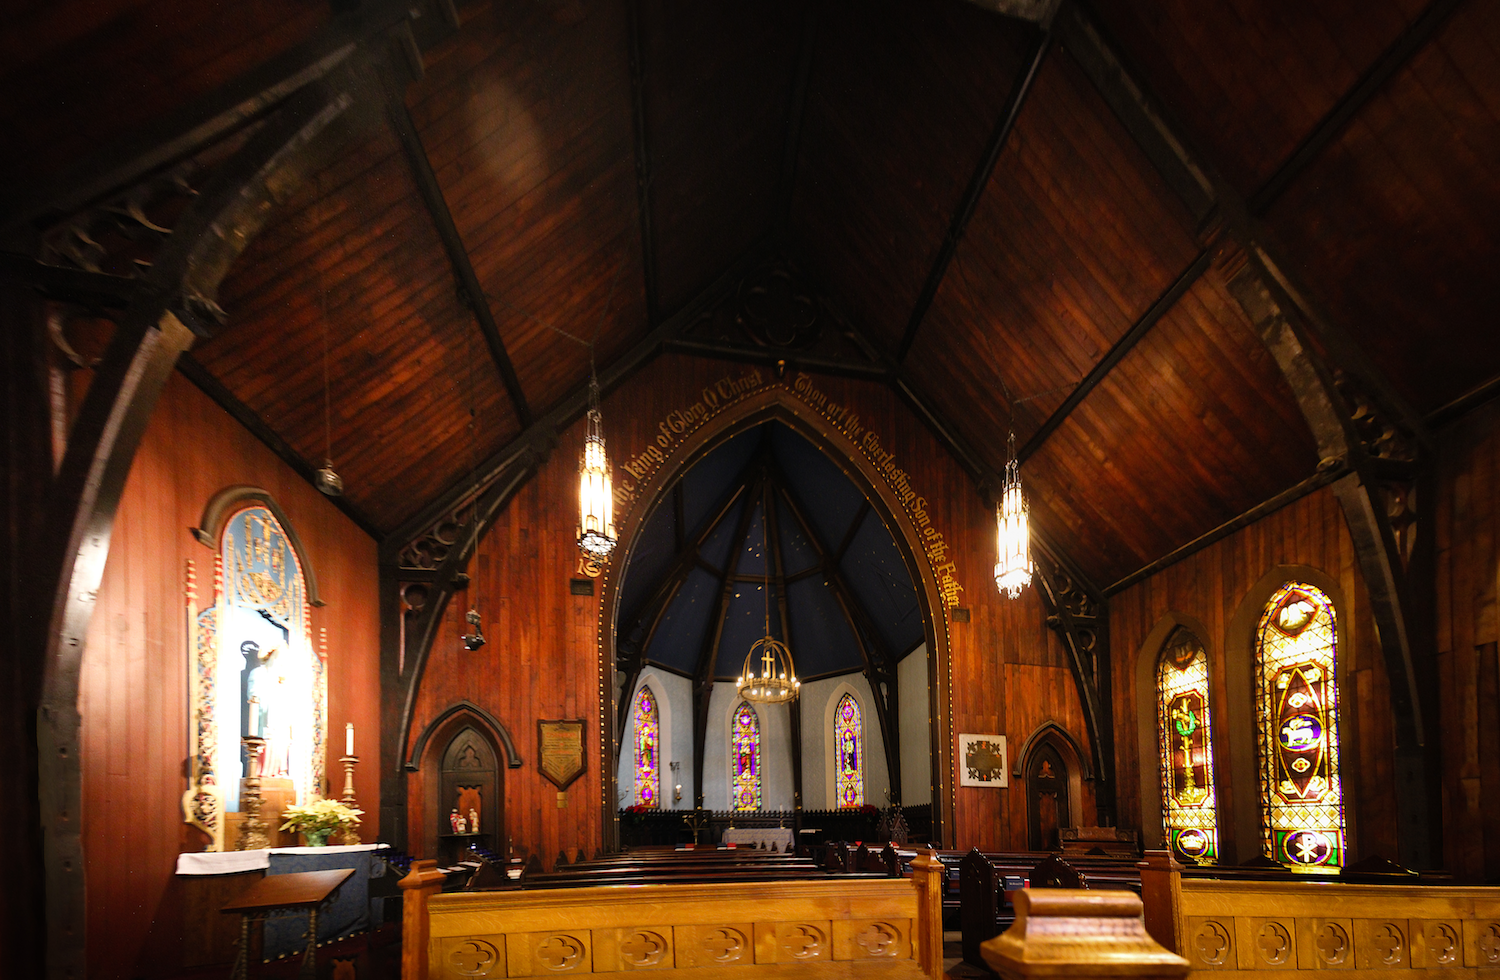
x=928 y=875
x=417 y=888
x=1161 y=894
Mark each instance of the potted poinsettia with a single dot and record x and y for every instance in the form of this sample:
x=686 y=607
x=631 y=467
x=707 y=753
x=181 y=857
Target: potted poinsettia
x=316 y=820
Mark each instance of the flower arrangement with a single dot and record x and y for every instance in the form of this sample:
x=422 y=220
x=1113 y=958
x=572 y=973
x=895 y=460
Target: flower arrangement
x=316 y=820
x=870 y=811
x=635 y=814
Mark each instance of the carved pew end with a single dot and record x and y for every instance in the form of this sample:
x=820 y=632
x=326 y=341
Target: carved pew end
x=1063 y=932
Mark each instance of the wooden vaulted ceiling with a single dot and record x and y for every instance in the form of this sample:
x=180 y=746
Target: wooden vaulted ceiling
x=577 y=171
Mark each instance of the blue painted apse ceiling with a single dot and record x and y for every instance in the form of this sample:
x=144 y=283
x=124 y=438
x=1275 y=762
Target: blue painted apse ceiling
x=763 y=531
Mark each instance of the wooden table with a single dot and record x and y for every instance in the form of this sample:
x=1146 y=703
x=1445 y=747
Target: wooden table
x=279 y=895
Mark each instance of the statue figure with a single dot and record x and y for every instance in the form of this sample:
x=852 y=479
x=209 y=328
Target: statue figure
x=453 y=821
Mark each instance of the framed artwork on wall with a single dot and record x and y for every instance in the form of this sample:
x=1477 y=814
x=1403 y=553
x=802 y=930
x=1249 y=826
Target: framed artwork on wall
x=982 y=761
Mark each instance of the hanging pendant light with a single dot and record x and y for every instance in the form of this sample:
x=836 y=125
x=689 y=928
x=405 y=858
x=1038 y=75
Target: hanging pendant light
x=1013 y=530
x=328 y=482
x=774 y=679
x=596 y=505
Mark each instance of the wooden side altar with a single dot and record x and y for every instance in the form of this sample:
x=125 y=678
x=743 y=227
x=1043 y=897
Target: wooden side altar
x=304 y=891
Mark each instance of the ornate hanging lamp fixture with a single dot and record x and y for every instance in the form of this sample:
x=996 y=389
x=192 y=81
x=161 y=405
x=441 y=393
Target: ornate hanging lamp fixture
x=596 y=504
x=768 y=676
x=1013 y=526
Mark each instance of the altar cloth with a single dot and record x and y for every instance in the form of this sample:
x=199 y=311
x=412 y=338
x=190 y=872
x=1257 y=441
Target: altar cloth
x=234 y=862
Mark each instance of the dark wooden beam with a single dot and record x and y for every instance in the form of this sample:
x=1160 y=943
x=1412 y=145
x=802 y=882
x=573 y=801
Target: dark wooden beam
x=977 y=183
x=1392 y=60
x=879 y=662
x=791 y=143
x=1322 y=478
x=781 y=359
x=542 y=433
x=469 y=288
x=1085 y=44
x=1464 y=404
x=211 y=386
x=92 y=290
x=642 y=160
x=207 y=120
x=1117 y=353
x=777 y=567
x=708 y=653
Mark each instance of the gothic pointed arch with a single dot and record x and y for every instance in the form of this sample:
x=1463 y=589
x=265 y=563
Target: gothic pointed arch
x=777 y=402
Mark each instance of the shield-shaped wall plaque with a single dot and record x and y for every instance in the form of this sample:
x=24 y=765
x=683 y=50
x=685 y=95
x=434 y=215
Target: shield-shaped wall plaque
x=560 y=751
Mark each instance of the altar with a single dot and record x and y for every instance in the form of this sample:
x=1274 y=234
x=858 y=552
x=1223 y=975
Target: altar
x=352 y=911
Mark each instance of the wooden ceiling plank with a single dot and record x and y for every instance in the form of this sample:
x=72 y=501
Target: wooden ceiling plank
x=458 y=255
x=543 y=430
x=642 y=160
x=796 y=110
x=970 y=200
x=1117 y=353
x=245 y=416
x=1373 y=80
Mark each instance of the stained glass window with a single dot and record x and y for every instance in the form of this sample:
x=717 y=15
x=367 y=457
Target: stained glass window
x=1190 y=816
x=1302 y=798
x=746 y=774
x=647 y=749
x=848 y=737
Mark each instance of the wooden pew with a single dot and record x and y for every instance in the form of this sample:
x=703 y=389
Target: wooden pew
x=834 y=926
x=984 y=879
x=1221 y=919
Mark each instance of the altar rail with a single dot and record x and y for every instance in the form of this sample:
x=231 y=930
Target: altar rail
x=1321 y=925
x=828 y=926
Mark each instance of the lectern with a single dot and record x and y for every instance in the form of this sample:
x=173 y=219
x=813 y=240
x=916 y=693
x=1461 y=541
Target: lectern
x=304 y=891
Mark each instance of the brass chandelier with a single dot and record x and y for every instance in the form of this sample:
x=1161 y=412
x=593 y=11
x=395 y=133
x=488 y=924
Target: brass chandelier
x=776 y=682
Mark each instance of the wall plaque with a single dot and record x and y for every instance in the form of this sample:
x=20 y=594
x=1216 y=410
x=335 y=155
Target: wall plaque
x=982 y=761
x=560 y=751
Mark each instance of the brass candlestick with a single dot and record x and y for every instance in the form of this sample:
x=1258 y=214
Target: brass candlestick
x=253 y=835
x=347 y=834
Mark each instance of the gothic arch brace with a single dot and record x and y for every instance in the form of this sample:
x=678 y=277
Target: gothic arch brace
x=161 y=322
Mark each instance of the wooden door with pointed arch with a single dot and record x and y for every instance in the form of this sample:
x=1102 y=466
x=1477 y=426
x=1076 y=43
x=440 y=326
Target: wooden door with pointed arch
x=1046 y=797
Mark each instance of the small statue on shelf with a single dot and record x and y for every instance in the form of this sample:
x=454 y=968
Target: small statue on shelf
x=463 y=826
x=454 y=820
x=473 y=821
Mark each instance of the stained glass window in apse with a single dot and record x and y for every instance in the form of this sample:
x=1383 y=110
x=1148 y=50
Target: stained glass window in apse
x=647 y=749
x=745 y=738
x=848 y=737
x=1189 y=803
x=1302 y=799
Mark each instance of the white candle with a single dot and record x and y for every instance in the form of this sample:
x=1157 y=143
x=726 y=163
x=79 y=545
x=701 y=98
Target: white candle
x=349 y=739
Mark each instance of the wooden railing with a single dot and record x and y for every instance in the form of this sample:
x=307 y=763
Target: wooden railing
x=890 y=927
x=1323 y=925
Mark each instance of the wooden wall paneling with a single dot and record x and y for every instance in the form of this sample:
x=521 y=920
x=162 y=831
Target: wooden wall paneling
x=537 y=629
x=1409 y=186
x=134 y=687
x=1210 y=586
x=1468 y=563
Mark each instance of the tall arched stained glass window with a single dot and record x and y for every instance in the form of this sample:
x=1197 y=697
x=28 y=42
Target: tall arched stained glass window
x=745 y=738
x=1190 y=815
x=848 y=737
x=1296 y=683
x=647 y=749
